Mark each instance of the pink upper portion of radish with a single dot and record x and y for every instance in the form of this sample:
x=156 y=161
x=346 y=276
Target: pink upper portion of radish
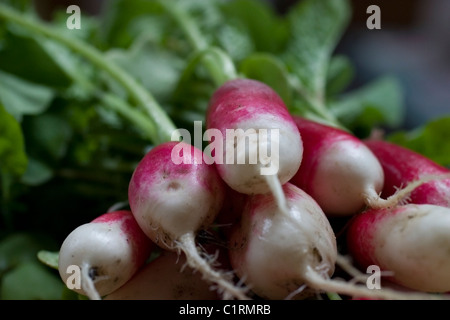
x=316 y=139
x=242 y=99
x=361 y=232
x=171 y=198
x=157 y=165
x=337 y=169
x=130 y=228
x=402 y=165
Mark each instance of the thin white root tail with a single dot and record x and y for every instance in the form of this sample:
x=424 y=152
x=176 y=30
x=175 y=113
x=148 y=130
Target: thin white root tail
x=316 y=281
x=87 y=283
x=225 y=286
x=374 y=201
x=277 y=190
x=346 y=265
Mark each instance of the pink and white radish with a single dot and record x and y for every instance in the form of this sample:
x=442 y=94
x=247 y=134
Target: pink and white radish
x=411 y=241
x=173 y=195
x=166 y=278
x=290 y=255
x=108 y=251
x=403 y=166
x=246 y=109
x=274 y=253
x=337 y=170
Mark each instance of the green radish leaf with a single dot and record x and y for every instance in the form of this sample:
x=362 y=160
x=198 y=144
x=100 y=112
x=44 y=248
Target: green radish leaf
x=431 y=140
x=22 y=5
x=259 y=22
x=17 y=248
x=31 y=281
x=36 y=65
x=49 y=258
x=49 y=136
x=13 y=158
x=192 y=93
x=157 y=69
x=20 y=97
x=340 y=74
x=379 y=103
x=71 y=295
x=315 y=29
x=37 y=173
x=269 y=69
x=235 y=40
x=124 y=21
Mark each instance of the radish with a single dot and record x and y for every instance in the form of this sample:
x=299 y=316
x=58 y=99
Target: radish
x=108 y=251
x=402 y=166
x=290 y=255
x=242 y=109
x=338 y=170
x=173 y=195
x=165 y=278
x=274 y=252
x=411 y=241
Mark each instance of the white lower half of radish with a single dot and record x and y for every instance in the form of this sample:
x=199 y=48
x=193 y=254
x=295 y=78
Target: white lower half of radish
x=174 y=207
x=280 y=154
x=172 y=202
x=272 y=252
x=346 y=176
x=415 y=245
x=104 y=255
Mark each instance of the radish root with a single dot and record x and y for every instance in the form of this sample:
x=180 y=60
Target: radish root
x=320 y=281
x=193 y=258
x=317 y=281
x=277 y=191
x=87 y=283
x=374 y=201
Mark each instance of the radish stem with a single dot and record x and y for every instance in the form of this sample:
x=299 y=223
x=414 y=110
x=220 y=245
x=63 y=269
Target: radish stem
x=196 y=262
x=140 y=95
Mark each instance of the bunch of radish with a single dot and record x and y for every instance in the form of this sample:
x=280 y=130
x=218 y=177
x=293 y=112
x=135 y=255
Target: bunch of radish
x=273 y=214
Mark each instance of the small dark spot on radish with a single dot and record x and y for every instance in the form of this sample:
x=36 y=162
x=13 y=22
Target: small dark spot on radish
x=317 y=254
x=93 y=273
x=240 y=107
x=173 y=186
x=118 y=261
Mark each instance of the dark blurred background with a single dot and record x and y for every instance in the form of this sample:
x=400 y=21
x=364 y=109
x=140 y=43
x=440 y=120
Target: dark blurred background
x=413 y=45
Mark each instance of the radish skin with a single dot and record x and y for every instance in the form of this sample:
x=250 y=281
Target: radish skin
x=412 y=241
x=173 y=200
x=337 y=169
x=402 y=166
x=108 y=250
x=165 y=278
x=271 y=251
x=292 y=256
x=246 y=105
